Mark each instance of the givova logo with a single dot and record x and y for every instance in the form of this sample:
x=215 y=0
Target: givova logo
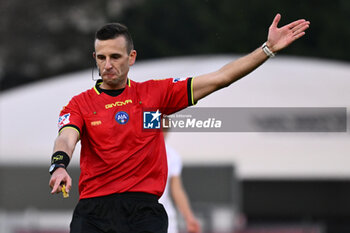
x=151 y=120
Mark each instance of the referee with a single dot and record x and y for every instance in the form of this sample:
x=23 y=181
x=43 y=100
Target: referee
x=123 y=165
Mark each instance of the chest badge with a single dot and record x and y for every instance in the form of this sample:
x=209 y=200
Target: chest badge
x=122 y=117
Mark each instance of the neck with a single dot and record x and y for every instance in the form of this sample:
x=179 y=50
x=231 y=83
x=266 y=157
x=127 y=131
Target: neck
x=113 y=86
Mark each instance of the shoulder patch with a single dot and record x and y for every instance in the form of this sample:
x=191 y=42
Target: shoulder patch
x=63 y=120
x=175 y=80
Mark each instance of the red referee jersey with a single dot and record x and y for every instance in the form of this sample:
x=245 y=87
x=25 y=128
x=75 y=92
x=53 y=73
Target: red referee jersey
x=117 y=153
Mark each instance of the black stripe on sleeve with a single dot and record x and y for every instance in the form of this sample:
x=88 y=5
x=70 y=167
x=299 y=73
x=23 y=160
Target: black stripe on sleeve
x=70 y=126
x=189 y=91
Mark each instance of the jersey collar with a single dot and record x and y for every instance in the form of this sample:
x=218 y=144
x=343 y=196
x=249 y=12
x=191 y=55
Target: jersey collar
x=99 y=82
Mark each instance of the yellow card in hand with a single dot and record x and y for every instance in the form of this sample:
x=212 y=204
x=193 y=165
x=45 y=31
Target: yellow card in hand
x=64 y=192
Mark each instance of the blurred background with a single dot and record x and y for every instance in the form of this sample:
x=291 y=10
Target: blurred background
x=237 y=182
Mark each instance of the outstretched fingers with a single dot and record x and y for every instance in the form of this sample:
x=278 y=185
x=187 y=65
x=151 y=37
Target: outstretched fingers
x=297 y=36
x=299 y=29
x=296 y=25
x=280 y=38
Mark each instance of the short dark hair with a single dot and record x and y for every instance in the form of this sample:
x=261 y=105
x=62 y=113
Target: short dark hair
x=114 y=30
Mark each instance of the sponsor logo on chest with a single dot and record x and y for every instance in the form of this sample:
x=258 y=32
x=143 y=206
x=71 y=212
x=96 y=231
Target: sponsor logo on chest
x=118 y=104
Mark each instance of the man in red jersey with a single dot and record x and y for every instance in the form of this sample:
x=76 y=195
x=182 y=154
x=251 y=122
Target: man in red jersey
x=123 y=165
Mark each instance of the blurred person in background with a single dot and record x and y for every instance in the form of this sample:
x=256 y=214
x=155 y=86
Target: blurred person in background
x=123 y=168
x=175 y=193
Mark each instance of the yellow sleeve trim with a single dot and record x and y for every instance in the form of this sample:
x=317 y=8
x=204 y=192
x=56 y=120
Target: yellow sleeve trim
x=192 y=98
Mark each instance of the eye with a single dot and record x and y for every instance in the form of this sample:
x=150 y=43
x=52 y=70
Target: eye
x=115 y=56
x=101 y=57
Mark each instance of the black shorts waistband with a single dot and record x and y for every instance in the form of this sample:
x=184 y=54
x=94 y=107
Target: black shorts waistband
x=134 y=195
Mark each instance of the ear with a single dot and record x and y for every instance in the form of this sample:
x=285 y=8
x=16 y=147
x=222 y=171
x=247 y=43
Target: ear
x=132 y=57
x=94 y=56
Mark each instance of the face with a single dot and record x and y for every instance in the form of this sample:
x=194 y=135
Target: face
x=113 y=61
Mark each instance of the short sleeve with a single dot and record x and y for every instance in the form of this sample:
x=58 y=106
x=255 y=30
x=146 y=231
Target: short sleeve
x=70 y=116
x=177 y=94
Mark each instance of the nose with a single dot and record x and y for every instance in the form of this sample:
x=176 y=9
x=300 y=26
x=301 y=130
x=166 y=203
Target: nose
x=108 y=64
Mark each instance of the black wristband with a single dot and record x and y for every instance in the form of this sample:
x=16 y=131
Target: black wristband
x=60 y=157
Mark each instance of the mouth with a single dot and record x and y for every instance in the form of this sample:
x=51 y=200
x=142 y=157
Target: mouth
x=109 y=75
